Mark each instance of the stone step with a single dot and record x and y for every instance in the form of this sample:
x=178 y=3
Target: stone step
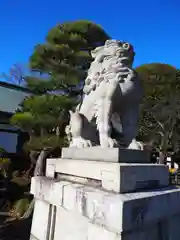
x=116 y=177
x=106 y=154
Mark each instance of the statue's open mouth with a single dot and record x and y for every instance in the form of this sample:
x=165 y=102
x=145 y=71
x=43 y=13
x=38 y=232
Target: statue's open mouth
x=123 y=59
x=121 y=54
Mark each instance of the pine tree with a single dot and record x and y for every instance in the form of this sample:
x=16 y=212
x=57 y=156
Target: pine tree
x=65 y=56
x=61 y=64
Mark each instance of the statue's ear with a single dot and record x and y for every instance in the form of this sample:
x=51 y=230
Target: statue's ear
x=93 y=53
x=96 y=51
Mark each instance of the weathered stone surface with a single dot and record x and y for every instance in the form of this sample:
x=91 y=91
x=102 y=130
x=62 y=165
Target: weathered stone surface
x=80 y=228
x=32 y=237
x=40 y=220
x=50 y=167
x=117 y=177
x=71 y=226
x=106 y=154
x=116 y=213
x=48 y=190
x=112 y=95
x=171 y=227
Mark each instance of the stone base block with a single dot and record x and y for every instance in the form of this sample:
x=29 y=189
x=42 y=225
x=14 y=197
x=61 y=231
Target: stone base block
x=40 y=226
x=71 y=226
x=117 y=177
x=50 y=167
x=69 y=211
x=106 y=155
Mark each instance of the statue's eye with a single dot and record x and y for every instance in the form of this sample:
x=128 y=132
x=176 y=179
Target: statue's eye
x=88 y=81
x=126 y=46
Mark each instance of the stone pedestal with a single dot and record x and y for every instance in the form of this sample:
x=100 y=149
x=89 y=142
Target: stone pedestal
x=105 y=199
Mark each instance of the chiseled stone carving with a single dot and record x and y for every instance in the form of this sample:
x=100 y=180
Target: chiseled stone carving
x=108 y=115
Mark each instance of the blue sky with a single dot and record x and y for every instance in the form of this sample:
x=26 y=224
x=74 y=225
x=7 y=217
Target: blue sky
x=151 y=26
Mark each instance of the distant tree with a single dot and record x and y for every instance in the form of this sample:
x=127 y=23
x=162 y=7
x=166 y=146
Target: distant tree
x=160 y=110
x=17 y=74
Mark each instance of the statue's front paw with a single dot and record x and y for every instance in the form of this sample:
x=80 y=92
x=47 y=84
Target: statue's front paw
x=107 y=142
x=80 y=143
x=135 y=145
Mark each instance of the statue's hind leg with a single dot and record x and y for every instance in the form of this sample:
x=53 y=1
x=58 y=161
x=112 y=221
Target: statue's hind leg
x=83 y=134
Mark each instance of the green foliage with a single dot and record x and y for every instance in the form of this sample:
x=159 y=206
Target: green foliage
x=19 y=207
x=24 y=120
x=160 y=109
x=157 y=79
x=65 y=56
x=37 y=143
x=47 y=104
x=2 y=150
x=42 y=111
x=4 y=165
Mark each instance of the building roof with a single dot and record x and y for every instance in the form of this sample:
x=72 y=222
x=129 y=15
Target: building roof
x=14 y=86
x=11 y=96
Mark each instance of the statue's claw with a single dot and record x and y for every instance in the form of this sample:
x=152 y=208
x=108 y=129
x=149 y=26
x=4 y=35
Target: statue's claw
x=135 y=145
x=80 y=143
x=107 y=142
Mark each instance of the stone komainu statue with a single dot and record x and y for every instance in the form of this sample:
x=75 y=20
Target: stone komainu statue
x=108 y=115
